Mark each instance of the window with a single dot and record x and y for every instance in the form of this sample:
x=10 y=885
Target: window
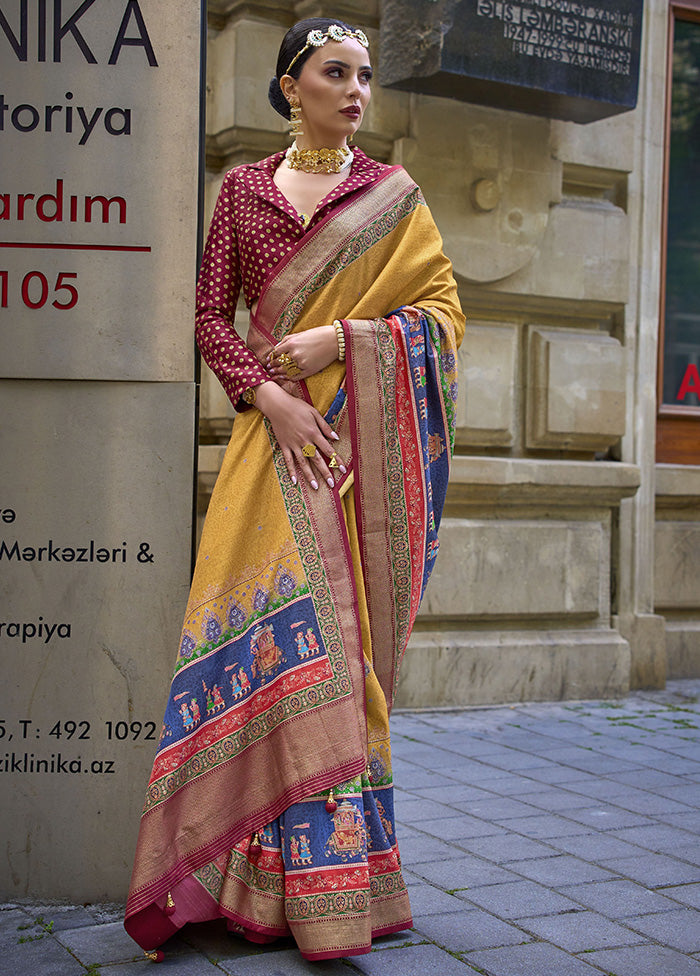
x=678 y=424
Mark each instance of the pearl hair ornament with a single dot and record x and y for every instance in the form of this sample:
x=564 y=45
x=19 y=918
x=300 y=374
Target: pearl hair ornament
x=317 y=38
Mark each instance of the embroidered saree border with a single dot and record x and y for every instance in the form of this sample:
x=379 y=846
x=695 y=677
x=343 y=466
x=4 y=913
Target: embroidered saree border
x=388 y=512
x=341 y=237
x=333 y=592
x=400 y=489
x=371 y=496
x=319 y=534
x=406 y=481
x=326 y=906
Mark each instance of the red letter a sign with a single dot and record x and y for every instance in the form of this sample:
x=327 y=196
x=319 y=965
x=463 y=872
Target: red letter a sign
x=691 y=382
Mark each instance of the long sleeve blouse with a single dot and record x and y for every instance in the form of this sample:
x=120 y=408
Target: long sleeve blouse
x=254 y=226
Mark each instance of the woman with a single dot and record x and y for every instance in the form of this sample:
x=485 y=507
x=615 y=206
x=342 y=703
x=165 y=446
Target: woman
x=270 y=801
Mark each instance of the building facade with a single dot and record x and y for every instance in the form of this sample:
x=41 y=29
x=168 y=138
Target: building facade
x=570 y=544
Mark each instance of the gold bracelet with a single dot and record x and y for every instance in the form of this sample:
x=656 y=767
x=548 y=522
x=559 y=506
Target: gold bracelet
x=340 y=336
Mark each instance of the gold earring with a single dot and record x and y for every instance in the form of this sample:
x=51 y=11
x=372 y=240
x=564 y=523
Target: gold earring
x=295 y=121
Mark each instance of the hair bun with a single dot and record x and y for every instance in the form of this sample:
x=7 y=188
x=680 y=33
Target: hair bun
x=277 y=99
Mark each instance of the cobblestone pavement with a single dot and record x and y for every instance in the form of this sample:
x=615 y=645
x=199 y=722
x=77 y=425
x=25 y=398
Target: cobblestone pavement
x=556 y=839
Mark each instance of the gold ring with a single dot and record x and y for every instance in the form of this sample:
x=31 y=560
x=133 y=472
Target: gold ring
x=284 y=359
x=309 y=450
x=292 y=369
x=333 y=461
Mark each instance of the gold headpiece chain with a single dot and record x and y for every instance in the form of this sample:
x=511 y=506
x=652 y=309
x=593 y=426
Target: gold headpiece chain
x=317 y=38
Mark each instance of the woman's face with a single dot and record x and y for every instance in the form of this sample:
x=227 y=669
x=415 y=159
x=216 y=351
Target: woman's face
x=333 y=90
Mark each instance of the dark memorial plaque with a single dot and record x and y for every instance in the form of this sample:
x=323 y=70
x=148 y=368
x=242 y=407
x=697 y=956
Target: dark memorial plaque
x=557 y=58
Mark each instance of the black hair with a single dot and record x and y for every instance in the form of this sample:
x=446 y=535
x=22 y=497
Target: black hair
x=293 y=42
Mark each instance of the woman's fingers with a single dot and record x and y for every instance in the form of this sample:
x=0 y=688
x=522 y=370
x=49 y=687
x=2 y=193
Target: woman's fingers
x=323 y=471
x=297 y=462
x=289 y=461
x=316 y=469
x=313 y=466
x=298 y=356
x=282 y=374
x=326 y=430
x=335 y=463
x=305 y=468
x=291 y=369
x=306 y=440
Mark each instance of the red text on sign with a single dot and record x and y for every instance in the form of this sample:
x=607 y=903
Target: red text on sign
x=35 y=290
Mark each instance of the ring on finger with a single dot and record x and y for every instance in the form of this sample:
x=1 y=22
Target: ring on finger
x=333 y=461
x=309 y=450
x=292 y=369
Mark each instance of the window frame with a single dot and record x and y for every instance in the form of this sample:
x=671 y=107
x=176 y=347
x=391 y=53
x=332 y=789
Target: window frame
x=677 y=426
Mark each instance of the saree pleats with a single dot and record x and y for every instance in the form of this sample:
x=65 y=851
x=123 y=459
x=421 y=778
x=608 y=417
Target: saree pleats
x=331 y=879
x=301 y=605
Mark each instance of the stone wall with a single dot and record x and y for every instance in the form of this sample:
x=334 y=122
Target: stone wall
x=677 y=565
x=544 y=587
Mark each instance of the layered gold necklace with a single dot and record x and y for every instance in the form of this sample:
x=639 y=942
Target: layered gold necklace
x=319 y=160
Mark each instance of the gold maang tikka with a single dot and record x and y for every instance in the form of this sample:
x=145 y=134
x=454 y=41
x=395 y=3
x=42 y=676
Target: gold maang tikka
x=295 y=120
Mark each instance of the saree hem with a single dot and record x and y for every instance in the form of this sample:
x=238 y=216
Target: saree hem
x=257 y=938
x=254 y=931
x=336 y=953
x=151 y=928
x=358 y=950
x=141 y=900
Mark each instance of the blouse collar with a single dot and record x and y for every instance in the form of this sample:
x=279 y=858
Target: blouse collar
x=363 y=171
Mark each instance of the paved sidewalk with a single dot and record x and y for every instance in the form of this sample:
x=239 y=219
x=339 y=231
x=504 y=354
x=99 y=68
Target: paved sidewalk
x=556 y=839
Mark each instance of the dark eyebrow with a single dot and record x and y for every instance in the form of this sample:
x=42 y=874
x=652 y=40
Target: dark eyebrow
x=343 y=64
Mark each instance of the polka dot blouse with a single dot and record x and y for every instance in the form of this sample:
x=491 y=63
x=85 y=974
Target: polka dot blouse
x=254 y=226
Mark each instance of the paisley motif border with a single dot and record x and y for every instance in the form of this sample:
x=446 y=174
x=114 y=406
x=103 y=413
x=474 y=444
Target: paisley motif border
x=352 y=249
x=312 y=564
x=400 y=548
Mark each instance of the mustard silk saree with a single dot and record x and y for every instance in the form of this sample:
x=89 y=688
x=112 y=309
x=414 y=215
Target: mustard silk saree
x=301 y=606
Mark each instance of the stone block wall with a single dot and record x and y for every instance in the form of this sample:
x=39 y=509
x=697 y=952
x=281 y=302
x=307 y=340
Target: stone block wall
x=677 y=565
x=544 y=587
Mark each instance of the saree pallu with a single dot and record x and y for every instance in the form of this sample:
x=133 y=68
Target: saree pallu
x=301 y=606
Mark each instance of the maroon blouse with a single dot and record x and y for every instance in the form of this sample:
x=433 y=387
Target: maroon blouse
x=254 y=226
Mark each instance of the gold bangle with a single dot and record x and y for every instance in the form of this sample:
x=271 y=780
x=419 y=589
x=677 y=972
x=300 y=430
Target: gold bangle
x=340 y=336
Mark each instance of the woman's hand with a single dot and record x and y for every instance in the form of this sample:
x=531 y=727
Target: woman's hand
x=296 y=424
x=309 y=351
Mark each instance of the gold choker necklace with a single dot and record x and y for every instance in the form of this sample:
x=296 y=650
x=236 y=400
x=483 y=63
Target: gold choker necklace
x=318 y=160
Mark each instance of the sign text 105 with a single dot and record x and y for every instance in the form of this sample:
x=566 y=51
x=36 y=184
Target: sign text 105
x=36 y=290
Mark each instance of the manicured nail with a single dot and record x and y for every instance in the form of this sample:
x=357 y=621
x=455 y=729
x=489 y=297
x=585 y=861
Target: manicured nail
x=294 y=479
x=331 y=483
x=314 y=485
x=334 y=436
x=343 y=469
